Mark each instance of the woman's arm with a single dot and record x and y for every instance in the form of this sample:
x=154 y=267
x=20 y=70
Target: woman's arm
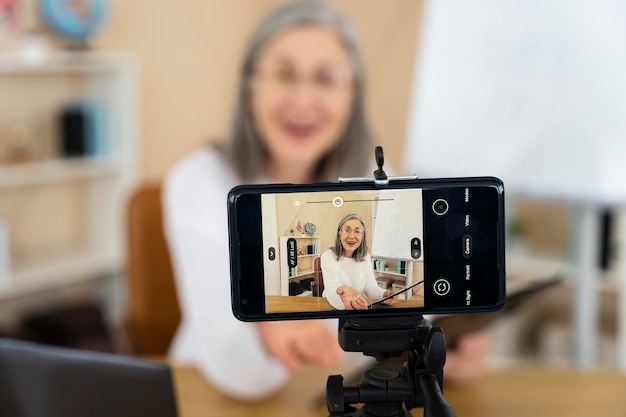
x=332 y=279
x=229 y=353
x=245 y=360
x=372 y=290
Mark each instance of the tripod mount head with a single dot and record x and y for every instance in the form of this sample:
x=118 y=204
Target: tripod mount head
x=392 y=392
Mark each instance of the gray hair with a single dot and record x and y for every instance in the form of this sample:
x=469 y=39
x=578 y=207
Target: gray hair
x=360 y=252
x=245 y=149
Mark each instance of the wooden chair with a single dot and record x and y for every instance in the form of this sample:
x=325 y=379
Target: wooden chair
x=318 y=278
x=153 y=313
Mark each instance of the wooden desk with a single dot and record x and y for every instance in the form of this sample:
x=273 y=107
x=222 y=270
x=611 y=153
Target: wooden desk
x=291 y=304
x=502 y=393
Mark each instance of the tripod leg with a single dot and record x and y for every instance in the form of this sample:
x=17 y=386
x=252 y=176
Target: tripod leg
x=434 y=403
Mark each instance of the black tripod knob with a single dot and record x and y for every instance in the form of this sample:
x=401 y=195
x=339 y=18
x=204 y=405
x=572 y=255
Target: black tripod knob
x=435 y=350
x=334 y=395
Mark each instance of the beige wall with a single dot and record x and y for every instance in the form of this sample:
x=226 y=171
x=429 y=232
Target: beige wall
x=190 y=51
x=325 y=216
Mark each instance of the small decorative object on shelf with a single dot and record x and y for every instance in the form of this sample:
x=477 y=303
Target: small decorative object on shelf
x=299 y=227
x=10 y=19
x=17 y=144
x=310 y=228
x=76 y=21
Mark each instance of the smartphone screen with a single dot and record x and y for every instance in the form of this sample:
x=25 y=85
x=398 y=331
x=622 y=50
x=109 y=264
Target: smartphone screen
x=423 y=246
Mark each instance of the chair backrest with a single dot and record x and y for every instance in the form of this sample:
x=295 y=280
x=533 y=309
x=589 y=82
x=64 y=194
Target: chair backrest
x=46 y=381
x=318 y=278
x=153 y=312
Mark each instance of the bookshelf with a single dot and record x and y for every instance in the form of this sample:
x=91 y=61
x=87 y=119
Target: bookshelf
x=64 y=215
x=393 y=274
x=307 y=249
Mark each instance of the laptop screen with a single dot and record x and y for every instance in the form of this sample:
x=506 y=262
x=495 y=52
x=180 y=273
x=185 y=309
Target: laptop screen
x=39 y=380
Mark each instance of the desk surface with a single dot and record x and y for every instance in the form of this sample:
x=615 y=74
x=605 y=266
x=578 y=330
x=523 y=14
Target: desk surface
x=511 y=393
x=291 y=304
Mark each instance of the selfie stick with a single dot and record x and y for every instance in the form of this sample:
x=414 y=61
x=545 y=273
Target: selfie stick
x=391 y=392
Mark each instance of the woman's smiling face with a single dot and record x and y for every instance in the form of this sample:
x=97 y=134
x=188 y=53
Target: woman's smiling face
x=351 y=236
x=302 y=94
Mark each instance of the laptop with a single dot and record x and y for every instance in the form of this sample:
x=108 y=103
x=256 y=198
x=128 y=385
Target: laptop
x=39 y=380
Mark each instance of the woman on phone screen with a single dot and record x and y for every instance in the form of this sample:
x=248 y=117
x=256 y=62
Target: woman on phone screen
x=349 y=281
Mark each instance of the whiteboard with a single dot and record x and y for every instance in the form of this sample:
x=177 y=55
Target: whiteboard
x=398 y=219
x=533 y=92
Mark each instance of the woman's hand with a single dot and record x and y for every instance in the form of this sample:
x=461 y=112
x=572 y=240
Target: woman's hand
x=351 y=298
x=294 y=343
x=390 y=301
x=468 y=359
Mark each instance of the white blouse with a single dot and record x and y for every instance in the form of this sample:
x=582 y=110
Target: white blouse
x=348 y=272
x=227 y=351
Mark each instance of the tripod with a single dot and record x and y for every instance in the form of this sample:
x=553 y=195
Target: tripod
x=391 y=392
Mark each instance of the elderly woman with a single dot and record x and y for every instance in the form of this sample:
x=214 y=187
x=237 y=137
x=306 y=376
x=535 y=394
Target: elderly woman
x=347 y=267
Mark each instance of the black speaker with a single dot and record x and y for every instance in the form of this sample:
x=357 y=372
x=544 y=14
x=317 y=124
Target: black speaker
x=73 y=131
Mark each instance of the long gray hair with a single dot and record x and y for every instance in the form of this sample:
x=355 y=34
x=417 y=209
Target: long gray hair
x=245 y=149
x=360 y=252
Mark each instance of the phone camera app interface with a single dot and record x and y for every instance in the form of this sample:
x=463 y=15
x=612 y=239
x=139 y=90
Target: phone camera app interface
x=440 y=207
x=343 y=250
x=416 y=248
x=460 y=259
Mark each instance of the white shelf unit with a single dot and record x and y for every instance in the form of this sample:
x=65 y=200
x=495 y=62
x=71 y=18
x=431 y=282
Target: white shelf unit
x=305 y=260
x=401 y=279
x=34 y=92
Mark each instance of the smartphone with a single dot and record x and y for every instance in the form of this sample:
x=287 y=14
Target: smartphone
x=410 y=247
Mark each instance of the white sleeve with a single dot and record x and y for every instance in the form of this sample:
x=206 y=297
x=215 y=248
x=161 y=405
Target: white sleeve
x=332 y=279
x=229 y=353
x=372 y=290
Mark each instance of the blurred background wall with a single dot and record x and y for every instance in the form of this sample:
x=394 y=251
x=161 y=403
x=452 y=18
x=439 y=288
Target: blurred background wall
x=190 y=53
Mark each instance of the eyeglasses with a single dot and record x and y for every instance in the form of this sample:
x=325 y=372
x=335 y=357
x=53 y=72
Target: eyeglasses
x=348 y=230
x=326 y=82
